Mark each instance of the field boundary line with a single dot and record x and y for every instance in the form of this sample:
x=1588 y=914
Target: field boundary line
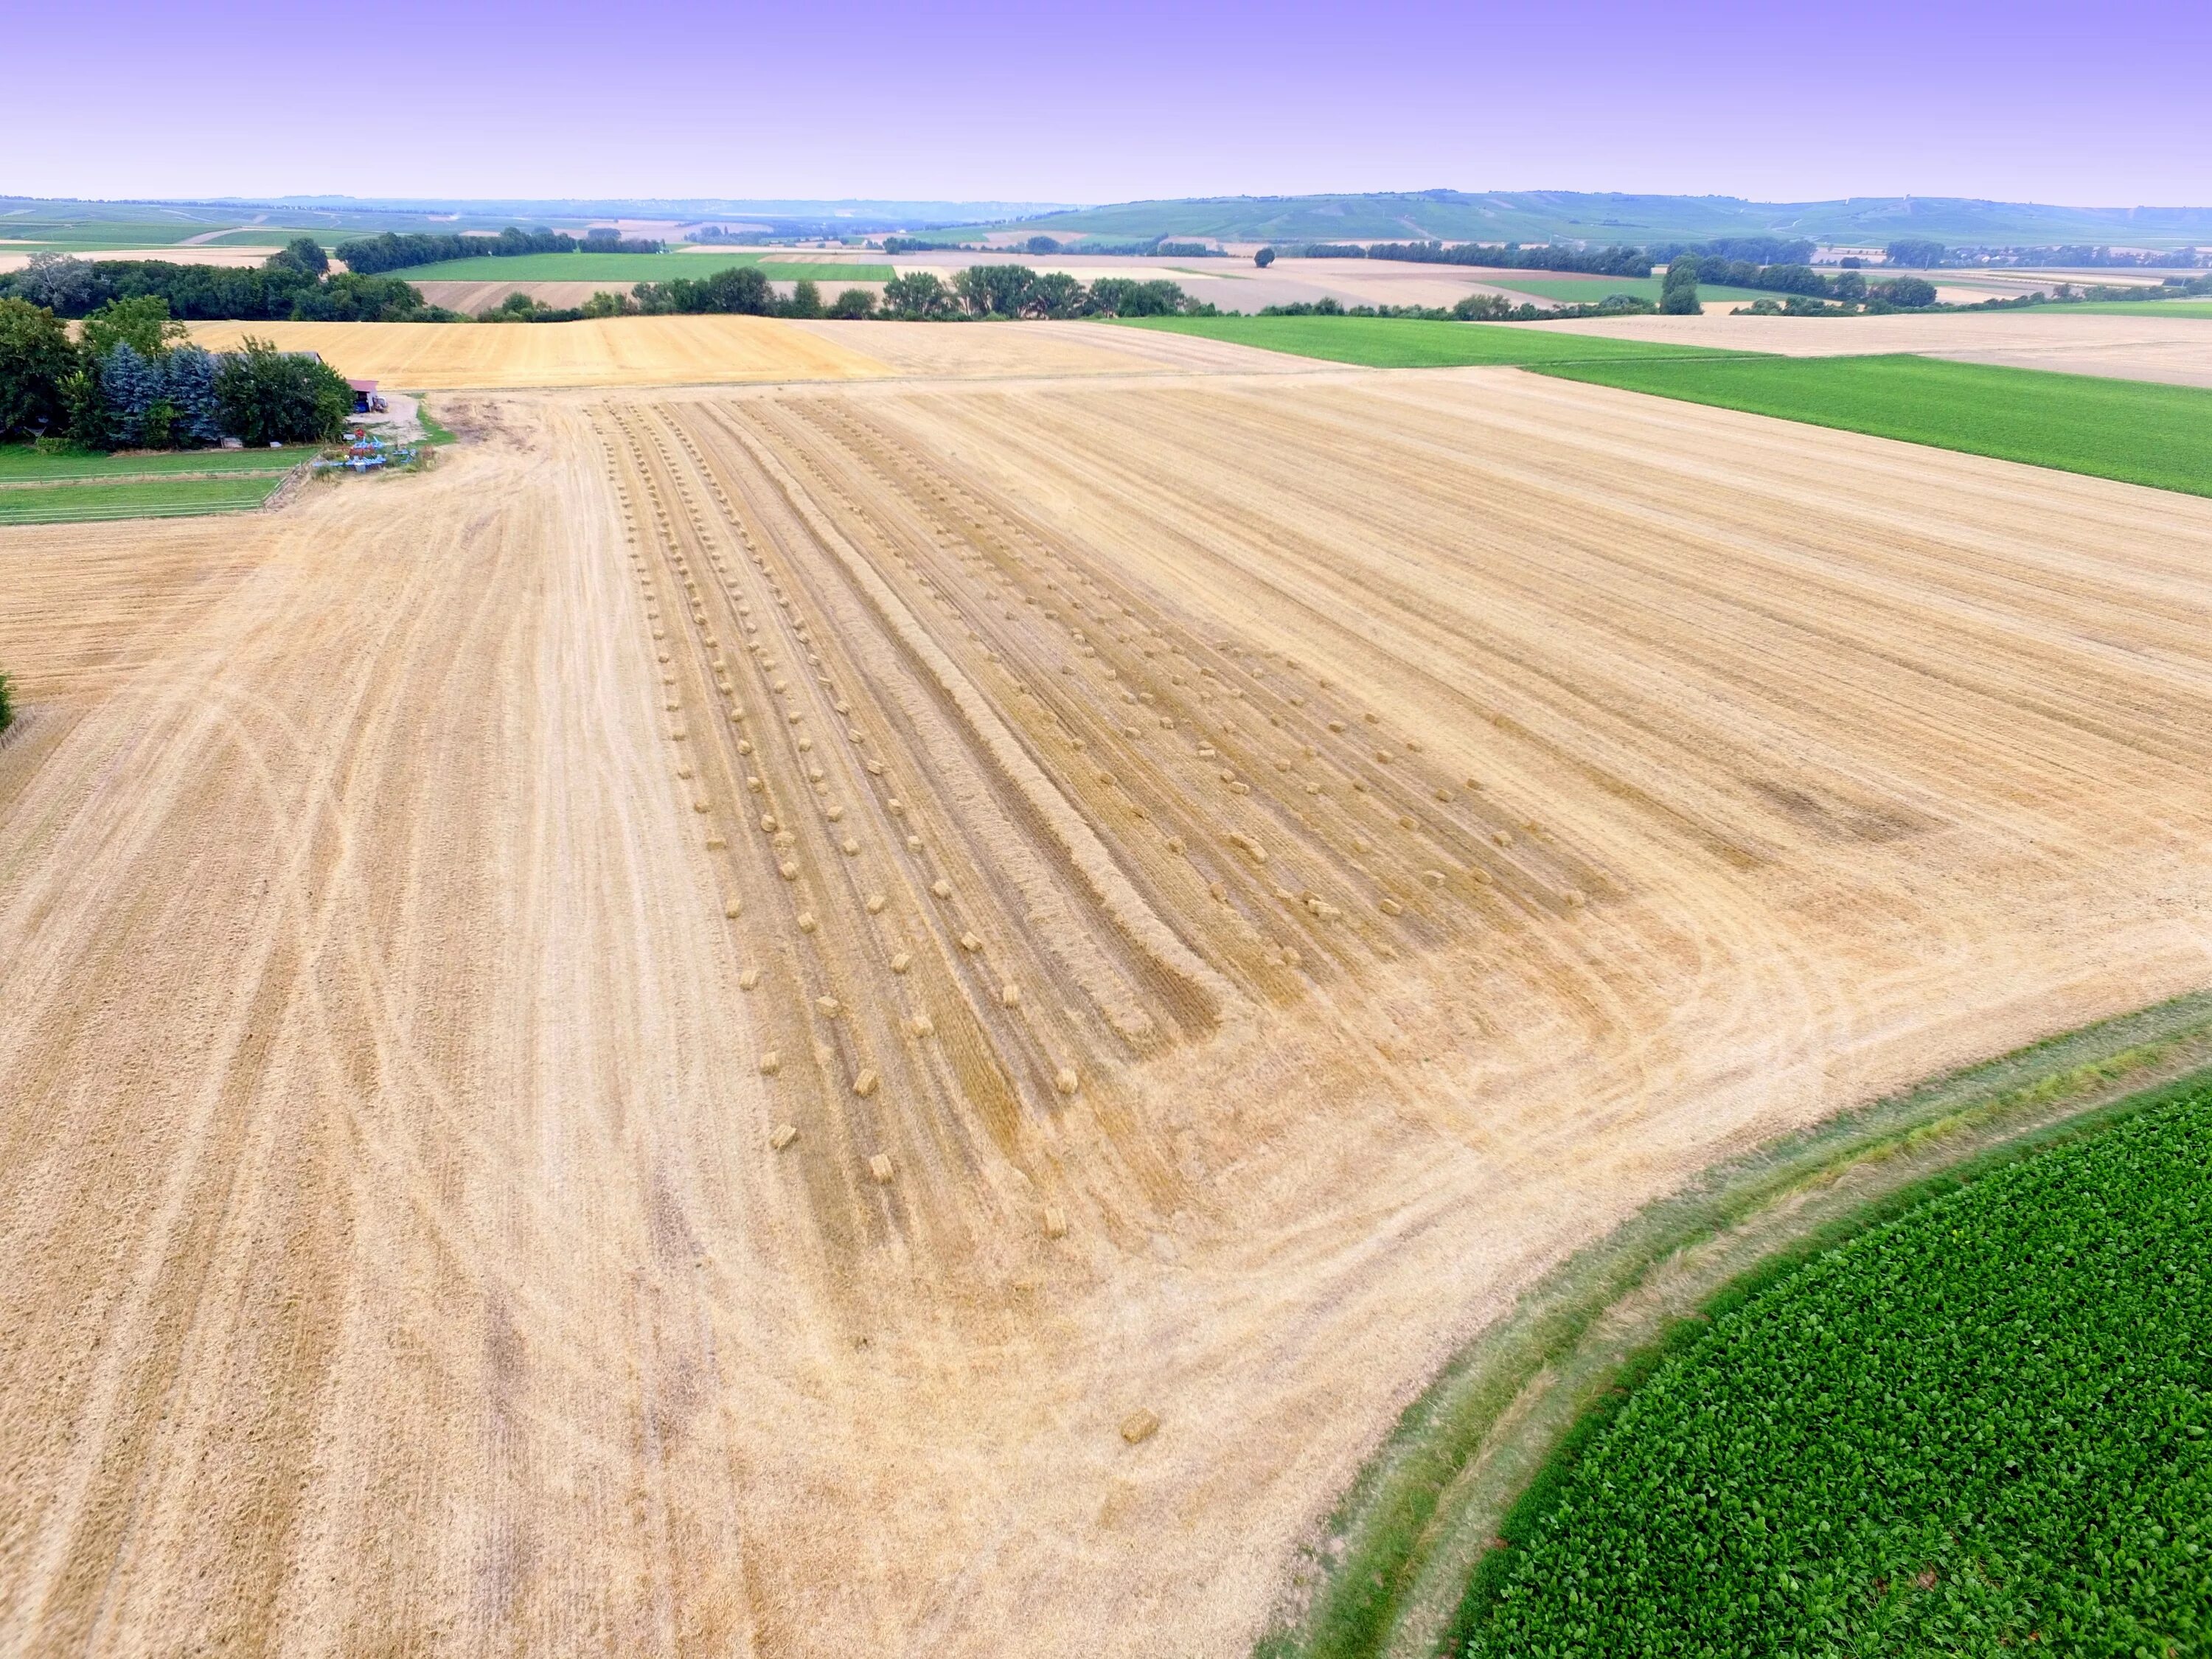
x=1389 y=1571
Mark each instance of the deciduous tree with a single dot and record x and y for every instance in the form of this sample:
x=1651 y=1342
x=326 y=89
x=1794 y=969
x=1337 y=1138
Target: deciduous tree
x=36 y=358
x=303 y=254
x=143 y=323
x=269 y=396
x=1677 y=293
x=917 y=293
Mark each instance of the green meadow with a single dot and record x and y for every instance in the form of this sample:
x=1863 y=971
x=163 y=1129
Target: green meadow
x=2141 y=308
x=2134 y=430
x=25 y=463
x=1589 y=291
x=1410 y=342
x=155 y=498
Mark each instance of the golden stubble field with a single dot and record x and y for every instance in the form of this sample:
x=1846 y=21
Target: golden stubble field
x=1265 y=874
x=683 y=351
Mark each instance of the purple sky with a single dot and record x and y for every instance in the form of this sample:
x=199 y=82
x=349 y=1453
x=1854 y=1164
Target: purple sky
x=2106 y=103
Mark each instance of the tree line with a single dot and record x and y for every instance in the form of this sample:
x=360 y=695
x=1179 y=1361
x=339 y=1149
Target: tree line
x=295 y=284
x=1005 y=292
x=131 y=379
x=1596 y=262
x=1470 y=308
x=1017 y=291
x=1775 y=264
x=1926 y=255
x=739 y=290
x=396 y=250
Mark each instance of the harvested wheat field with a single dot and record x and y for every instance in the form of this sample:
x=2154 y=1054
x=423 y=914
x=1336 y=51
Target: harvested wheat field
x=2175 y=349
x=1030 y=350
x=615 y=351
x=472 y=298
x=898 y=1019
x=673 y=351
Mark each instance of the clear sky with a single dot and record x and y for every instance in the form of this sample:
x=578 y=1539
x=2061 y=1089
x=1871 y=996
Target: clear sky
x=2104 y=103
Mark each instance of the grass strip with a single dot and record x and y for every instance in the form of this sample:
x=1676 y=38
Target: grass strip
x=2134 y=308
x=1985 y=1424
x=28 y=464
x=1415 y=343
x=2136 y=431
x=160 y=498
x=1391 y=1573
x=433 y=430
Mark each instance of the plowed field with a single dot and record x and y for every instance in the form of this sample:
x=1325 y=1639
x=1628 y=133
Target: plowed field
x=657 y=1040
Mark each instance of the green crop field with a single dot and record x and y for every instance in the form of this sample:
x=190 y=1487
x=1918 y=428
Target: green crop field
x=1588 y=291
x=23 y=464
x=1984 y=1427
x=2135 y=308
x=157 y=498
x=626 y=268
x=2134 y=430
x=90 y=241
x=1410 y=342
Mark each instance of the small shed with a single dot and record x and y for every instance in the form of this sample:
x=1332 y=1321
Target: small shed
x=365 y=400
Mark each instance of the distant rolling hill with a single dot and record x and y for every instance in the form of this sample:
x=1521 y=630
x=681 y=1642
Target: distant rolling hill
x=1542 y=216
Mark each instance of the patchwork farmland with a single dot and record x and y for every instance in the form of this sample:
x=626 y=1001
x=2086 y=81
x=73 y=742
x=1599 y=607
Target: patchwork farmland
x=880 y=987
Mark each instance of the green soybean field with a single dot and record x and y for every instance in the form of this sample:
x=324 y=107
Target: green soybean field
x=1983 y=1427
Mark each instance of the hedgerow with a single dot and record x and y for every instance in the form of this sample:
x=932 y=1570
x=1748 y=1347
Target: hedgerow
x=1984 y=1425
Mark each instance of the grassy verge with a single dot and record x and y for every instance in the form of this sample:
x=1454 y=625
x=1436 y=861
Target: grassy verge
x=153 y=498
x=1391 y=1576
x=30 y=463
x=1983 y=1424
x=2133 y=430
x=433 y=431
x=1410 y=342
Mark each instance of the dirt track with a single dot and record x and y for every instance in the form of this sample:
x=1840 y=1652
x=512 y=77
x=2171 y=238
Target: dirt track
x=392 y=939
